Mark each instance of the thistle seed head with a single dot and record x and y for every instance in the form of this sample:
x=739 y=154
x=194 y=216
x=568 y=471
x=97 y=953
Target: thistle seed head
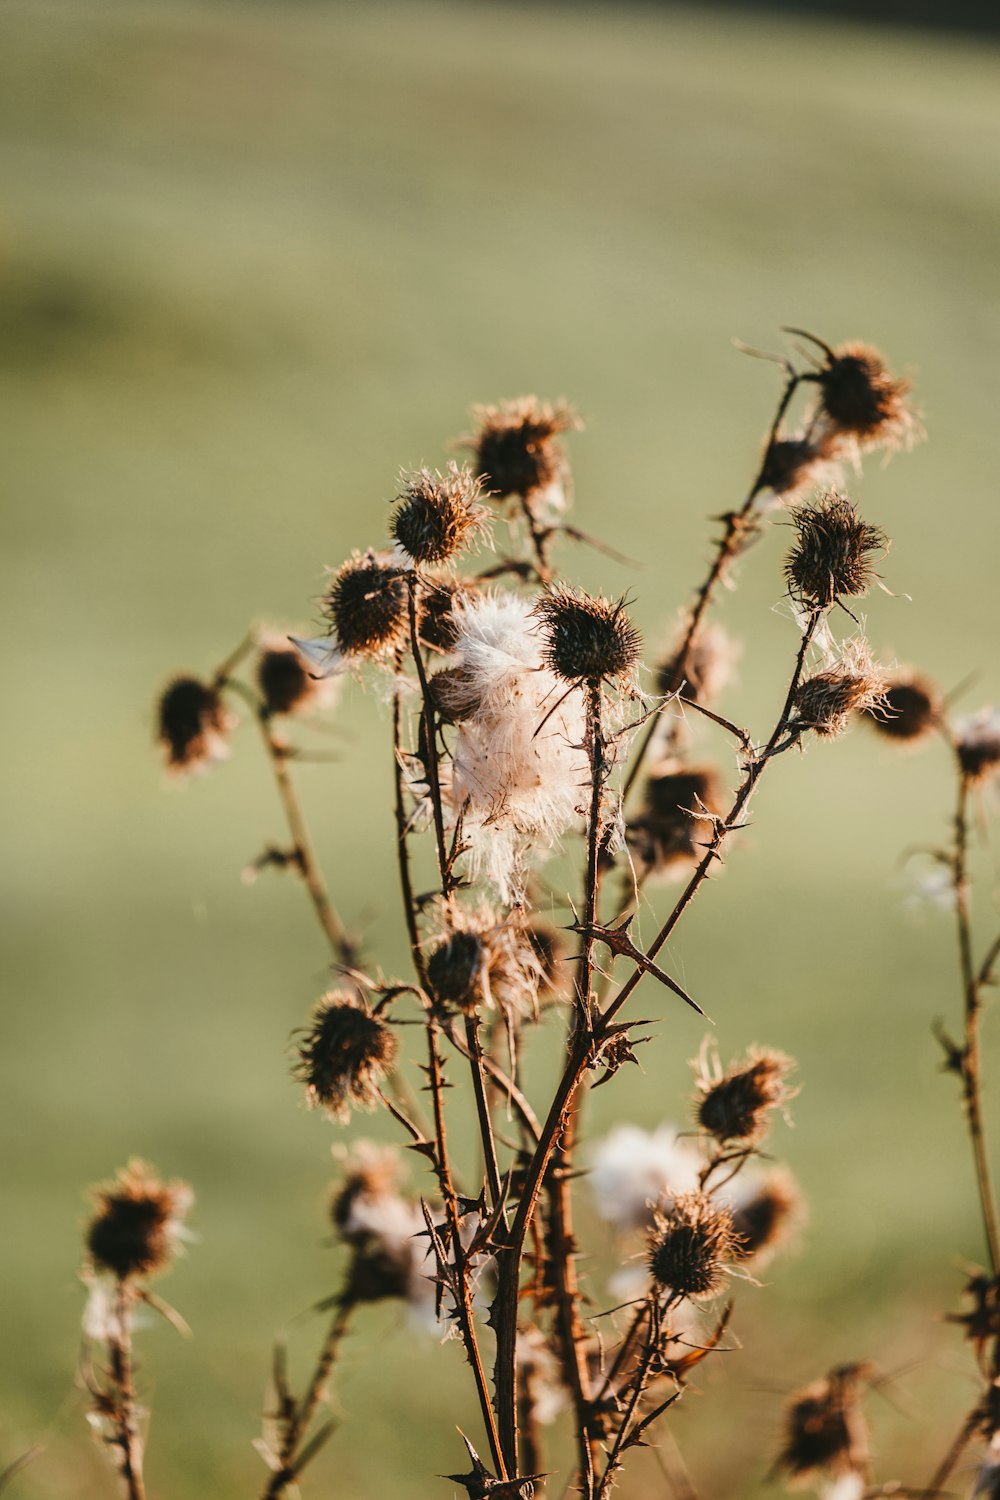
x=479 y=961
x=586 y=638
x=344 y=1055
x=689 y=1247
x=829 y=558
x=826 y=701
x=455 y=969
x=138 y=1223
x=674 y=826
x=286 y=684
x=193 y=725
x=366 y=605
x=825 y=1429
x=438 y=613
x=516 y=448
x=794 y=465
x=767 y=1216
x=861 y=398
x=910 y=709
x=437 y=514
x=977 y=744
x=733 y=1106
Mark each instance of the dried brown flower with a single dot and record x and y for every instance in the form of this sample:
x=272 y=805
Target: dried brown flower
x=861 y=398
x=138 y=1223
x=586 y=638
x=766 y=1216
x=795 y=464
x=516 y=445
x=674 y=826
x=193 y=724
x=910 y=709
x=689 y=1247
x=733 y=1105
x=826 y=701
x=825 y=1428
x=829 y=558
x=437 y=514
x=438 y=620
x=977 y=745
x=982 y=1320
x=366 y=605
x=479 y=961
x=344 y=1055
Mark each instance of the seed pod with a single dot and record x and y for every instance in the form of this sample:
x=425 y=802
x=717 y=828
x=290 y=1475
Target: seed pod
x=826 y=701
x=344 y=1055
x=138 y=1223
x=366 y=605
x=437 y=514
x=674 y=827
x=767 y=1215
x=860 y=398
x=689 y=1247
x=910 y=709
x=977 y=744
x=829 y=558
x=193 y=724
x=587 y=639
x=825 y=1429
x=516 y=448
x=733 y=1106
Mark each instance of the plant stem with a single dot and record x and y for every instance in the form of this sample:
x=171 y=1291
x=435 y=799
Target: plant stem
x=298 y=1425
x=127 y=1436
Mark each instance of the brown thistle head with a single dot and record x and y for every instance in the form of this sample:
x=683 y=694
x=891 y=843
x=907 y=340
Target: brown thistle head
x=343 y=1056
x=193 y=725
x=829 y=558
x=825 y=701
x=977 y=745
x=674 y=826
x=734 y=1105
x=437 y=514
x=768 y=1215
x=516 y=445
x=587 y=638
x=437 y=618
x=481 y=962
x=860 y=398
x=137 y=1224
x=691 y=1246
x=794 y=465
x=910 y=709
x=825 y=1428
x=366 y=604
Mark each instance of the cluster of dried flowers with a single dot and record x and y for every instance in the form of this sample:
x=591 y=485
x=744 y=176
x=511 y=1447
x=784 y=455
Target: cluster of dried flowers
x=524 y=722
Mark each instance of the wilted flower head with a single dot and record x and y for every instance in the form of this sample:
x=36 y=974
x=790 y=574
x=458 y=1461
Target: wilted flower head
x=587 y=638
x=286 y=683
x=704 y=670
x=794 y=465
x=366 y=604
x=767 y=1208
x=674 y=826
x=437 y=514
x=861 y=399
x=437 y=618
x=344 y=1055
x=977 y=744
x=909 y=710
x=691 y=1245
x=854 y=684
x=825 y=1429
x=385 y=1229
x=733 y=1105
x=634 y=1171
x=829 y=557
x=516 y=445
x=138 y=1224
x=480 y=961
x=193 y=725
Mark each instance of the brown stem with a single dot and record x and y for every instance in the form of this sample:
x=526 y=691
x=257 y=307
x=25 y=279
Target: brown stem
x=954 y=1453
x=638 y=1388
x=475 y=1055
x=127 y=1436
x=429 y=743
x=402 y=848
x=301 y=1420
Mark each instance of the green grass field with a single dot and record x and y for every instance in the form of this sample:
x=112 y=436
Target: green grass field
x=254 y=259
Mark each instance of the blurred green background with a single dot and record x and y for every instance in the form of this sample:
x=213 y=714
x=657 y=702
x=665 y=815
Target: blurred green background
x=254 y=258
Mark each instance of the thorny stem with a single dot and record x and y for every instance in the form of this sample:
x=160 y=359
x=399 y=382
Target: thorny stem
x=639 y=1385
x=126 y=1437
x=475 y=1054
x=947 y=1464
x=971 y=1068
x=429 y=742
x=402 y=848
x=301 y=1419
x=730 y=543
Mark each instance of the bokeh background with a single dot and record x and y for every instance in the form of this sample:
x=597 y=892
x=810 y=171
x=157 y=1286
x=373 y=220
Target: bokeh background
x=254 y=258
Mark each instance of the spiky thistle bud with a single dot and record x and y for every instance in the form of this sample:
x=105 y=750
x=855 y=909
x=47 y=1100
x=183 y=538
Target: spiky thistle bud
x=437 y=514
x=977 y=745
x=516 y=448
x=829 y=558
x=860 y=398
x=674 y=826
x=138 y=1224
x=690 y=1247
x=766 y=1214
x=193 y=725
x=587 y=638
x=825 y=702
x=910 y=709
x=825 y=1428
x=344 y=1055
x=734 y=1105
x=366 y=604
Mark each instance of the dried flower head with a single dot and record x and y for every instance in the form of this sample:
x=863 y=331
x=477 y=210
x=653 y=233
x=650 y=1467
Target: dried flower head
x=825 y=1428
x=829 y=558
x=766 y=1212
x=910 y=709
x=861 y=399
x=854 y=684
x=366 y=605
x=981 y=1320
x=438 y=616
x=516 y=445
x=286 y=683
x=587 y=638
x=479 y=961
x=794 y=465
x=674 y=826
x=437 y=514
x=704 y=670
x=733 y=1105
x=193 y=725
x=344 y=1055
x=138 y=1224
x=690 y=1247
x=977 y=744
x=385 y=1230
